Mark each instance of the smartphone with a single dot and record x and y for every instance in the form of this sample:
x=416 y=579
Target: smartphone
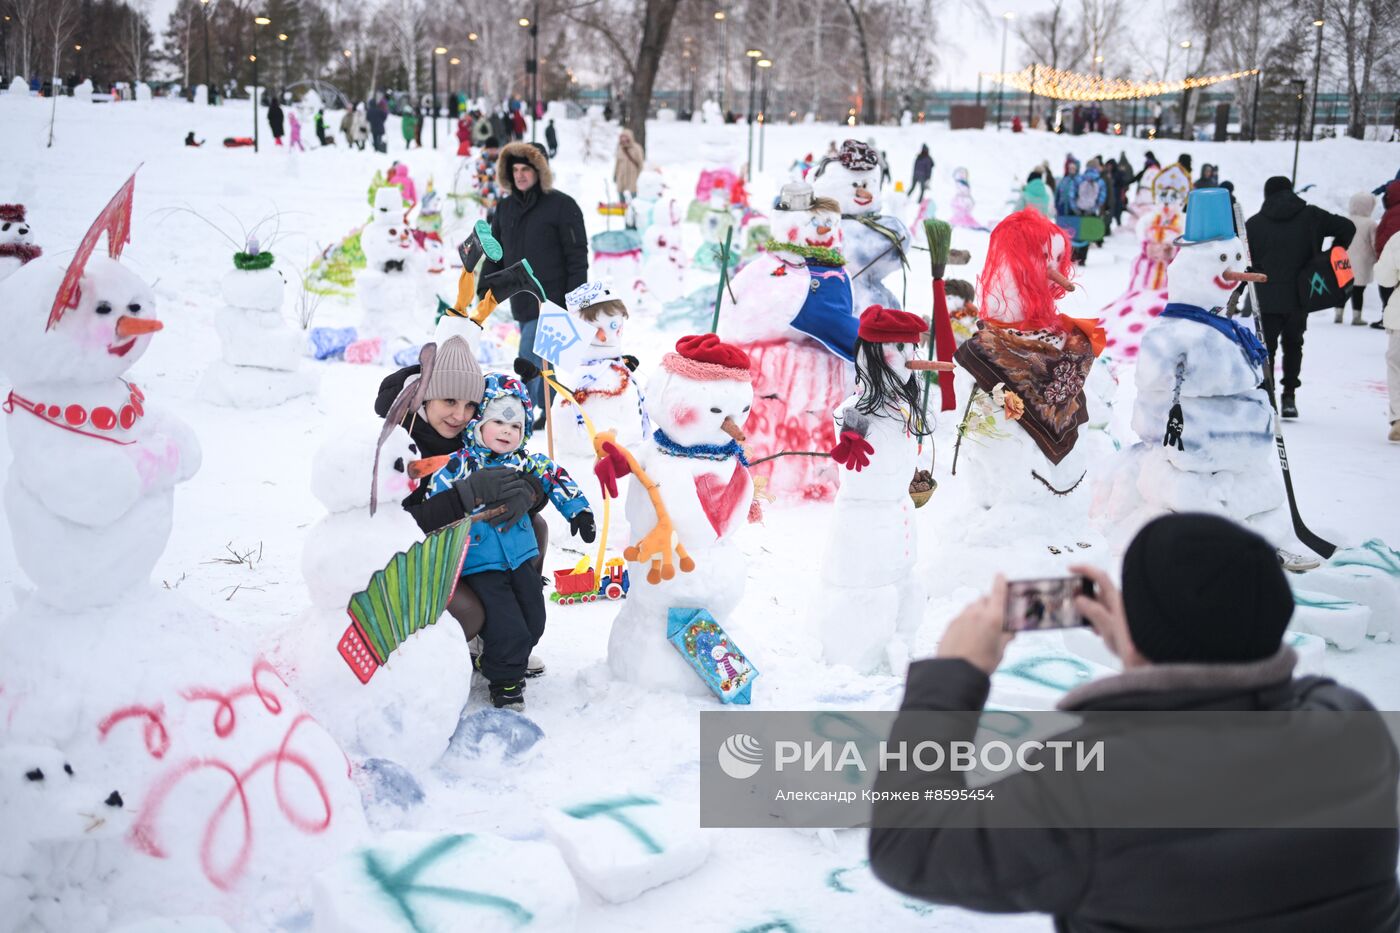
x=1032 y=605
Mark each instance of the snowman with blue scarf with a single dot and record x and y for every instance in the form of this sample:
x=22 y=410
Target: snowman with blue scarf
x=1203 y=416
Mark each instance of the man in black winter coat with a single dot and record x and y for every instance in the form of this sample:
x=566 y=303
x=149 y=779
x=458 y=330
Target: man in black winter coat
x=1199 y=627
x=542 y=225
x=1283 y=238
x=377 y=115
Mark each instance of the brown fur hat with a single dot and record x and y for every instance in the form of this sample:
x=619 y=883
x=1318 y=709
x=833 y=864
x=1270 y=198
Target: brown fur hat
x=522 y=152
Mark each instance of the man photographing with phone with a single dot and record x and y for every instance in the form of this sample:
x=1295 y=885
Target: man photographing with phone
x=1198 y=626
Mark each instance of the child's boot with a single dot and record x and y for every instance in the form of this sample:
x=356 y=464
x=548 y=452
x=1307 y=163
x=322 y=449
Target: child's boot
x=508 y=694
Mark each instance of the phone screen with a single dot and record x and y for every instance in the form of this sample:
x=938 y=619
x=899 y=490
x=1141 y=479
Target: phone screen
x=1032 y=605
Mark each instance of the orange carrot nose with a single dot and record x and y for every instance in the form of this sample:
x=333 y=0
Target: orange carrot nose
x=602 y=335
x=731 y=427
x=823 y=231
x=929 y=365
x=1230 y=275
x=136 y=326
x=1060 y=279
x=418 y=469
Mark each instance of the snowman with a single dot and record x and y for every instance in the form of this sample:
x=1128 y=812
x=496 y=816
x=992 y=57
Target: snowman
x=690 y=492
x=962 y=202
x=603 y=384
x=16 y=242
x=1129 y=315
x=871 y=601
x=390 y=257
x=392 y=716
x=1205 y=424
x=261 y=365
x=1018 y=441
x=72 y=330
x=875 y=243
x=790 y=311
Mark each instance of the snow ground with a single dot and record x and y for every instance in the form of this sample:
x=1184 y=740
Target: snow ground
x=252 y=494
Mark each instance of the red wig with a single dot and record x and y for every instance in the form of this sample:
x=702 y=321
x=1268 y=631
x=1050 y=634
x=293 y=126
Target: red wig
x=1016 y=291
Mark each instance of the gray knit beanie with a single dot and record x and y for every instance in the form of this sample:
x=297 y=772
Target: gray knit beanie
x=455 y=374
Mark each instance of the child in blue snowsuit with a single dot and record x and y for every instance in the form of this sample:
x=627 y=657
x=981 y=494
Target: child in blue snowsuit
x=498 y=566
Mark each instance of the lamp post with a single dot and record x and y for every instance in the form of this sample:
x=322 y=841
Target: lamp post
x=78 y=54
x=451 y=94
x=533 y=69
x=204 y=13
x=1317 y=73
x=350 y=66
x=1254 y=117
x=282 y=40
x=1186 y=89
x=753 y=55
x=1006 y=19
x=472 y=73
x=722 y=71
x=767 y=67
x=440 y=50
x=5 y=45
x=1299 y=86
x=257 y=21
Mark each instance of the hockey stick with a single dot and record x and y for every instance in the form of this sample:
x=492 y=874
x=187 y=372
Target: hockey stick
x=1321 y=545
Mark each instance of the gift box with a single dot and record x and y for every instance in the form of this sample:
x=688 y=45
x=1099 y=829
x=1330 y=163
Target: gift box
x=709 y=650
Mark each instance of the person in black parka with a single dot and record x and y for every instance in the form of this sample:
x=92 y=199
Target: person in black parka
x=1283 y=238
x=274 y=119
x=1199 y=626
x=540 y=224
x=377 y=114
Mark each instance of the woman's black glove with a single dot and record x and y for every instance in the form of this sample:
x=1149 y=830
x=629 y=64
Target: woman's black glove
x=437 y=512
x=631 y=362
x=518 y=492
x=582 y=525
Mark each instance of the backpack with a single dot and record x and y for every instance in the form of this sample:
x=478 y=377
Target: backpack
x=1086 y=196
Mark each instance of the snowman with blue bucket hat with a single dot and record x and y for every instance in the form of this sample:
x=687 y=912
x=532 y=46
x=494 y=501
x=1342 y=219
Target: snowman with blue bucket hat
x=1204 y=419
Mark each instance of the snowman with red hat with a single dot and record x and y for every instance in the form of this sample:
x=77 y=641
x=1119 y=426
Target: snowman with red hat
x=690 y=491
x=868 y=572
x=72 y=330
x=16 y=242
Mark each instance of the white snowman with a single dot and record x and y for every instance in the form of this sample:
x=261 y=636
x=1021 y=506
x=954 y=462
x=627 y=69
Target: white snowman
x=391 y=716
x=390 y=258
x=16 y=239
x=693 y=492
x=871 y=600
x=73 y=410
x=602 y=383
x=261 y=364
x=876 y=244
x=1204 y=420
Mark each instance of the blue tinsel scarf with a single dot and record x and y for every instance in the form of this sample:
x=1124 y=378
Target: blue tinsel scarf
x=699 y=451
x=1243 y=337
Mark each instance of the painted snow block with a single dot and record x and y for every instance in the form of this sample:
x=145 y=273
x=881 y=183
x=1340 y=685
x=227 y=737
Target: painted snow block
x=623 y=846
x=709 y=650
x=329 y=343
x=502 y=734
x=408 y=356
x=418 y=882
x=382 y=781
x=1341 y=622
x=1311 y=650
x=1038 y=681
x=187 y=924
x=366 y=351
x=1369 y=575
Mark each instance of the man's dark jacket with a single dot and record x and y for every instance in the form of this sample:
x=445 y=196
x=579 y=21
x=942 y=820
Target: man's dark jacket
x=1119 y=880
x=542 y=225
x=1283 y=238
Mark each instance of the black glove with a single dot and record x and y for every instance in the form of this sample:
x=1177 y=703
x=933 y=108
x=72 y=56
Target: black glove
x=582 y=525
x=525 y=369
x=631 y=362
x=497 y=487
x=437 y=512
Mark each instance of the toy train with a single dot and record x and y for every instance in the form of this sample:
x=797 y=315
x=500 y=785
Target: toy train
x=588 y=586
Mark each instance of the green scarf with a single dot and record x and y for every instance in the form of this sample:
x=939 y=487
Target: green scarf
x=821 y=255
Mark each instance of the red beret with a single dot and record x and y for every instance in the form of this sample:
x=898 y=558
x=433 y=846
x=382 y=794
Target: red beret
x=890 y=325
x=707 y=348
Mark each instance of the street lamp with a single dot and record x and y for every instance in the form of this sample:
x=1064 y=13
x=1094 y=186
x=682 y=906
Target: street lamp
x=722 y=64
x=282 y=38
x=1317 y=73
x=767 y=66
x=471 y=67
x=451 y=94
x=1186 y=90
x=1006 y=19
x=440 y=50
x=257 y=21
x=534 y=67
x=204 y=12
x=753 y=55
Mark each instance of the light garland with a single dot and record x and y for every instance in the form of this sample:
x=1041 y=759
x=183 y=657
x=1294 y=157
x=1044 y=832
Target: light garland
x=1057 y=84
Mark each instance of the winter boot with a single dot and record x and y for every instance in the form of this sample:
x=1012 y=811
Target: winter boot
x=511 y=281
x=1395 y=430
x=508 y=694
x=534 y=667
x=480 y=243
x=474 y=649
x=1356 y=319
x=1288 y=408
x=1338 y=318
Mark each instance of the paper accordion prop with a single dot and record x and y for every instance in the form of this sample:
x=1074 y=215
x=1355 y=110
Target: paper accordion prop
x=409 y=594
x=711 y=653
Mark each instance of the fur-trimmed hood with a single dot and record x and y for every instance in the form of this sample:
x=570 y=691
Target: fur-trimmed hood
x=522 y=152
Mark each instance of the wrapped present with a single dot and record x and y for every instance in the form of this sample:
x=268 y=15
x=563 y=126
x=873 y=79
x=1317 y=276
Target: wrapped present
x=712 y=653
x=368 y=350
x=329 y=343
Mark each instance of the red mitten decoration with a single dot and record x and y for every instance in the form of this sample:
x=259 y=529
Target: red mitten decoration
x=611 y=467
x=852 y=451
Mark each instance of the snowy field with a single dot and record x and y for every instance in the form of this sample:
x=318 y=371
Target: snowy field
x=603 y=739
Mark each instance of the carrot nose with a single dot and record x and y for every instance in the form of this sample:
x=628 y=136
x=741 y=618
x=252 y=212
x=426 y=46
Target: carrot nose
x=1230 y=275
x=1060 y=279
x=731 y=427
x=602 y=335
x=418 y=469
x=925 y=365
x=136 y=326
x=823 y=231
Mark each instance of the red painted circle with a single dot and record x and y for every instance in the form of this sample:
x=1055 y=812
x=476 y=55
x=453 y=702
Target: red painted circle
x=53 y=411
x=104 y=419
x=136 y=405
x=75 y=415
x=135 y=391
x=1135 y=327
x=128 y=416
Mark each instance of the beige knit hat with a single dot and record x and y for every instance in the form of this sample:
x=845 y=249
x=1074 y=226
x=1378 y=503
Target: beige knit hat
x=455 y=374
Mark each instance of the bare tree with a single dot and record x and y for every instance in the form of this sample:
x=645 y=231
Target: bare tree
x=407 y=20
x=62 y=21
x=869 y=110
x=1100 y=22
x=1052 y=37
x=26 y=13
x=1365 y=31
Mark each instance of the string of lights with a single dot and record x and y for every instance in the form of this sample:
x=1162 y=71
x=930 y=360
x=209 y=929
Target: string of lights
x=1057 y=84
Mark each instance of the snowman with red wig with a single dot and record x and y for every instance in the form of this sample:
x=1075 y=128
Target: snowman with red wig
x=72 y=331
x=1018 y=441
x=871 y=601
x=690 y=492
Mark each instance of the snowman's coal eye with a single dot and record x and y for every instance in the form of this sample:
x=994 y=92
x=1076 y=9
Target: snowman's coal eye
x=413 y=449
x=1224 y=258
x=103 y=307
x=714 y=411
x=747 y=407
x=35 y=775
x=134 y=307
x=6 y=227
x=1239 y=256
x=398 y=465
x=67 y=769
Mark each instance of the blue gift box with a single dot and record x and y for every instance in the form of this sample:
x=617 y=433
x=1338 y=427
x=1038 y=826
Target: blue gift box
x=330 y=342
x=709 y=650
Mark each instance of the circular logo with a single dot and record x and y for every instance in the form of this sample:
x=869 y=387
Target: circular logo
x=740 y=756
